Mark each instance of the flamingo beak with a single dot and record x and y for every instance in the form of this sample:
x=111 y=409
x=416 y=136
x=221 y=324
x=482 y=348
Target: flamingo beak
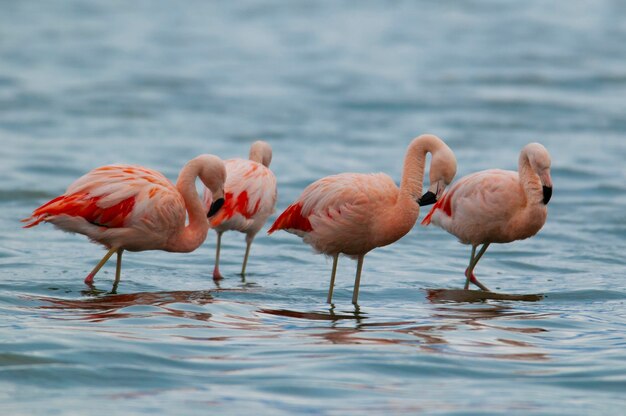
x=546 y=182
x=547 y=194
x=435 y=191
x=427 y=199
x=215 y=206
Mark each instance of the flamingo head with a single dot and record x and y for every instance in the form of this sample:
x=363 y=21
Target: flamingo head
x=540 y=162
x=213 y=175
x=261 y=152
x=442 y=172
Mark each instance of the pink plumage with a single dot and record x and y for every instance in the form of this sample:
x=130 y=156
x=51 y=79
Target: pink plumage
x=132 y=208
x=496 y=206
x=250 y=191
x=345 y=214
x=353 y=213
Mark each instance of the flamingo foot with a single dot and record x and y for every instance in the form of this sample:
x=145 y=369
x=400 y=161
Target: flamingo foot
x=217 y=275
x=468 y=279
x=472 y=279
x=89 y=279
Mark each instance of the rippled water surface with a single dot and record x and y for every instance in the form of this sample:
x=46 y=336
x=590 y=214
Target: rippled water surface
x=333 y=86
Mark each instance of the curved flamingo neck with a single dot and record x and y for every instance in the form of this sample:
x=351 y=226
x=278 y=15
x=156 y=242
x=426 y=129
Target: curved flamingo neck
x=529 y=179
x=261 y=152
x=196 y=230
x=412 y=182
x=256 y=156
x=398 y=219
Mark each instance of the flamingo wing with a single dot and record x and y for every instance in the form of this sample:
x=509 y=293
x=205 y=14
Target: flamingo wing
x=480 y=195
x=249 y=192
x=109 y=196
x=337 y=199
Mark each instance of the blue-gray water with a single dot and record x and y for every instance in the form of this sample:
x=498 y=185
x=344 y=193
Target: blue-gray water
x=333 y=86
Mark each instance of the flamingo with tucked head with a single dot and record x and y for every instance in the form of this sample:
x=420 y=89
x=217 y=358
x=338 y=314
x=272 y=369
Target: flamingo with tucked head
x=250 y=191
x=496 y=206
x=353 y=213
x=132 y=208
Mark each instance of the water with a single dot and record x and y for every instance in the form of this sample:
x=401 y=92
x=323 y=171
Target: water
x=333 y=87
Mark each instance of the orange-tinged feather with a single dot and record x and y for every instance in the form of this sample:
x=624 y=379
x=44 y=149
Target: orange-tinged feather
x=85 y=206
x=444 y=204
x=292 y=219
x=234 y=205
x=251 y=172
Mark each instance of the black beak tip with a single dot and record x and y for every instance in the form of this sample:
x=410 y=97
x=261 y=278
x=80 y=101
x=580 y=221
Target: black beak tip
x=427 y=199
x=215 y=206
x=547 y=194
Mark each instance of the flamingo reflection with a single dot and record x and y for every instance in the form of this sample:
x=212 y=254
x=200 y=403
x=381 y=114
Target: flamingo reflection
x=103 y=308
x=438 y=337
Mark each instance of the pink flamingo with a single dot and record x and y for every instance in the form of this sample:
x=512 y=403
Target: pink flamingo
x=496 y=206
x=250 y=191
x=354 y=213
x=132 y=208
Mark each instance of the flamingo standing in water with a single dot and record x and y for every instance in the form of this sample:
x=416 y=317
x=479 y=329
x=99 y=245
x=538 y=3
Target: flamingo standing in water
x=250 y=191
x=496 y=206
x=132 y=208
x=353 y=213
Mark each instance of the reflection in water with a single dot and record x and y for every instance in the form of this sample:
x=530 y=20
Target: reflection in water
x=331 y=315
x=445 y=336
x=444 y=330
x=463 y=295
x=482 y=318
x=101 y=308
x=244 y=283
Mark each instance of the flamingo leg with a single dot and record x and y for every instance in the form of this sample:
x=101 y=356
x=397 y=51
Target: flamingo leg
x=90 y=276
x=118 y=270
x=470 y=270
x=467 y=275
x=216 y=270
x=329 y=299
x=245 y=257
x=357 y=280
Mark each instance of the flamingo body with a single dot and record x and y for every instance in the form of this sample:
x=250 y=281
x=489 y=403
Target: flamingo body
x=345 y=214
x=121 y=206
x=250 y=197
x=352 y=213
x=132 y=208
x=497 y=206
x=488 y=206
x=250 y=192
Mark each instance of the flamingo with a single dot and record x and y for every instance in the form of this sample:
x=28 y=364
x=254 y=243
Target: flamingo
x=496 y=206
x=353 y=213
x=132 y=208
x=250 y=191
